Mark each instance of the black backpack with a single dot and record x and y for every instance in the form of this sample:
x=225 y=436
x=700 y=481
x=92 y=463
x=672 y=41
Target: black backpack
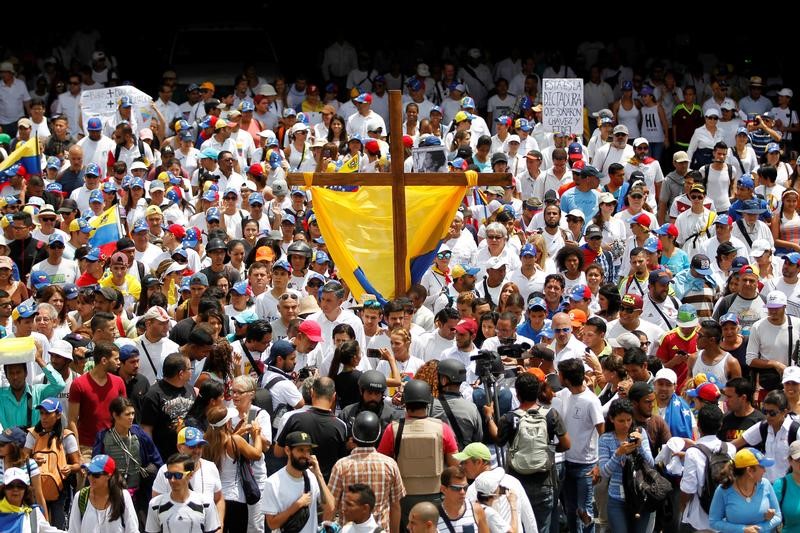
x=716 y=464
x=645 y=489
x=763 y=429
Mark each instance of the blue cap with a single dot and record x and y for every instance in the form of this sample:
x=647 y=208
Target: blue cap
x=56 y=238
x=192 y=87
x=739 y=262
x=27 y=308
x=210 y=196
x=547 y=332
x=523 y=124
x=137 y=182
x=246 y=317
x=231 y=190
x=627 y=85
x=431 y=140
x=356 y=137
x=110 y=187
x=190 y=436
x=101 y=464
x=729 y=317
x=436 y=109
x=94 y=124
x=173 y=196
x=321 y=258
x=185 y=284
x=70 y=291
x=792 y=257
x=773 y=147
x=751 y=207
x=96 y=197
x=209 y=153
x=181 y=251
x=128 y=351
x=247 y=106
x=50 y=405
x=256 y=198
x=206 y=122
x=93 y=254
x=212 y=214
x=173 y=179
x=11 y=200
x=271 y=141
x=537 y=303
x=92 y=169
x=528 y=250
x=185 y=135
x=275 y=159
x=414 y=84
x=288 y=217
x=315 y=275
x=289 y=112
x=526 y=103
x=199 y=279
x=13 y=435
x=53 y=162
x=651 y=244
x=39 y=280
x=54 y=188
x=192 y=238
x=125 y=102
x=240 y=287
x=282 y=264
x=580 y=292
x=746 y=182
x=467 y=103
x=140 y=225
x=741 y=130
x=280 y=348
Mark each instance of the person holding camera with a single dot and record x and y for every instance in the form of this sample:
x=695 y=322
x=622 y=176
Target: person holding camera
x=616 y=447
x=461 y=414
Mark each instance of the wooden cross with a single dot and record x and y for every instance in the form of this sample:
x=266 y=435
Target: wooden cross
x=398 y=179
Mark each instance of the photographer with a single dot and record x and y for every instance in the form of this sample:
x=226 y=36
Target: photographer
x=462 y=414
x=506 y=330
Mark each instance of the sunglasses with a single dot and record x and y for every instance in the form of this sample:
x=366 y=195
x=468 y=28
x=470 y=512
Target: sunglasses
x=712 y=118
x=637 y=196
x=97 y=475
x=175 y=475
x=287 y=296
x=457 y=488
x=16 y=486
x=562 y=330
x=444 y=255
x=770 y=412
x=627 y=309
x=372 y=304
x=696 y=197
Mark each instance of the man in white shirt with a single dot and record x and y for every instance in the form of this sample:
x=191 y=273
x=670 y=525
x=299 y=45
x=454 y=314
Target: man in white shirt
x=91 y=178
x=768 y=345
x=14 y=99
x=59 y=271
x=68 y=104
x=618 y=150
x=433 y=344
x=566 y=345
x=95 y=145
x=154 y=345
x=788 y=283
x=357 y=122
x=630 y=319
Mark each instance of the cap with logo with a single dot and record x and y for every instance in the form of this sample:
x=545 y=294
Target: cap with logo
x=687 y=316
x=776 y=299
x=707 y=392
x=751 y=457
x=189 y=436
x=702 y=265
x=299 y=438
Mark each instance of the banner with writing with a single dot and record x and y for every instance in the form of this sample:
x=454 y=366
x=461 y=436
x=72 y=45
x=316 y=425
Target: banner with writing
x=562 y=105
x=103 y=103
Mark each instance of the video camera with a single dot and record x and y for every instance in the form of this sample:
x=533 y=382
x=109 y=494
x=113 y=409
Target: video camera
x=515 y=351
x=487 y=363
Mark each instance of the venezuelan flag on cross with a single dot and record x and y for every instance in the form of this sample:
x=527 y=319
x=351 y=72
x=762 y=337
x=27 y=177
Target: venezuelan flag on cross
x=107 y=230
x=357 y=228
x=27 y=154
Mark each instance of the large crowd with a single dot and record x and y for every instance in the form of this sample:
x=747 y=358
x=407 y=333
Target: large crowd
x=611 y=342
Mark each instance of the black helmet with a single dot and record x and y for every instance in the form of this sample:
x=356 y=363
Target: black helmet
x=299 y=248
x=417 y=391
x=372 y=380
x=454 y=370
x=216 y=244
x=367 y=428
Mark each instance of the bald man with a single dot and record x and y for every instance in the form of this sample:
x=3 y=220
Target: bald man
x=423 y=518
x=565 y=344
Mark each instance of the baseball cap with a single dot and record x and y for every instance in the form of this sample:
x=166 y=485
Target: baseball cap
x=487 y=483
x=729 y=317
x=620 y=128
x=625 y=340
x=467 y=325
x=39 y=279
x=751 y=457
x=94 y=124
x=101 y=464
x=461 y=270
x=652 y=244
x=311 y=329
x=687 y=316
x=61 y=348
x=15 y=474
x=299 y=438
x=642 y=218
x=247 y=316
x=474 y=450
x=776 y=299
x=791 y=374
x=707 y=392
x=199 y=279
x=746 y=182
x=580 y=292
x=667 y=229
x=577 y=318
x=660 y=276
x=128 y=351
x=158 y=313
x=680 y=157
x=190 y=436
x=537 y=303
x=701 y=264
x=668 y=374
x=632 y=300
x=26 y=309
x=280 y=348
x=50 y=405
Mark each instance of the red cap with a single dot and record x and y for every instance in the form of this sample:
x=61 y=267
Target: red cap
x=22 y=171
x=373 y=147
x=538 y=374
x=467 y=325
x=256 y=170
x=311 y=329
x=408 y=141
x=177 y=230
x=632 y=300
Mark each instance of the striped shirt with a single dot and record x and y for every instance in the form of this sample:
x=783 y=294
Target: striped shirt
x=456 y=525
x=381 y=473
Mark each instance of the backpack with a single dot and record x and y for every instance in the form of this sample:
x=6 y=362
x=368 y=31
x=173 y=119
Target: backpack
x=419 y=452
x=763 y=429
x=716 y=464
x=83 y=501
x=645 y=489
x=55 y=458
x=529 y=452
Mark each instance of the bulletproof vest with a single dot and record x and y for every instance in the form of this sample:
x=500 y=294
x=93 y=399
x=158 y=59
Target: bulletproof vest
x=420 y=454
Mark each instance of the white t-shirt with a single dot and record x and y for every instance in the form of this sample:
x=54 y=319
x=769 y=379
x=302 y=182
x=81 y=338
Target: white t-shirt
x=282 y=490
x=96 y=520
x=205 y=479
x=155 y=351
x=165 y=514
x=65 y=271
x=408 y=367
x=581 y=413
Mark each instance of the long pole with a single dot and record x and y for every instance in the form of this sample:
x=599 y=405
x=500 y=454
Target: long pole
x=396 y=148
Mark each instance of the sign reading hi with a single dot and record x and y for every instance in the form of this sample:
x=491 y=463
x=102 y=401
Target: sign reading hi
x=562 y=105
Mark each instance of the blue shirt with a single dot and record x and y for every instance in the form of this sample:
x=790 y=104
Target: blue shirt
x=677 y=263
x=611 y=464
x=588 y=202
x=731 y=513
x=790 y=506
x=526 y=330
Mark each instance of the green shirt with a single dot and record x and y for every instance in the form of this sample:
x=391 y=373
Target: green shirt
x=14 y=412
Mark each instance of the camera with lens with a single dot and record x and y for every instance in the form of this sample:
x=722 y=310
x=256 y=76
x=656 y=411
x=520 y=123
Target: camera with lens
x=306 y=372
x=487 y=362
x=515 y=351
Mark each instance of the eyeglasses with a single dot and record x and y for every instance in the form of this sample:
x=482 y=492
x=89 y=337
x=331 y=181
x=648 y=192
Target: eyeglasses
x=770 y=412
x=494 y=237
x=620 y=135
x=712 y=118
x=288 y=295
x=97 y=475
x=696 y=197
x=316 y=285
x=444 y=255
x=562 y=330
x=175 y=475
x=457 y=488
x=637 y=196
x=235 y=392
x=47 y=219
x=627 y=309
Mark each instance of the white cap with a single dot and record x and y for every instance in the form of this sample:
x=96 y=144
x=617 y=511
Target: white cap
x=640 y=140
x=712 y=112
x=266 y=90
x=791 y=373
x=668 y=374
x=488 y=482
x=513 y=138
x=625 y=340
x=786 y=92
x=138 y=165
x=728 y=103
x=15 y=474
x=760 y=246
x=298 y=126
x=496 y=262
x=62 y=348
x=577 y=213
x=776 y=299
x=249 y=185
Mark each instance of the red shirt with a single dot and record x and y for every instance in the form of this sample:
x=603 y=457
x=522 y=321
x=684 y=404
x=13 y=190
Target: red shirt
x=672 y=342
x=449 y=444
x=94 y=400
x=86 y=280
